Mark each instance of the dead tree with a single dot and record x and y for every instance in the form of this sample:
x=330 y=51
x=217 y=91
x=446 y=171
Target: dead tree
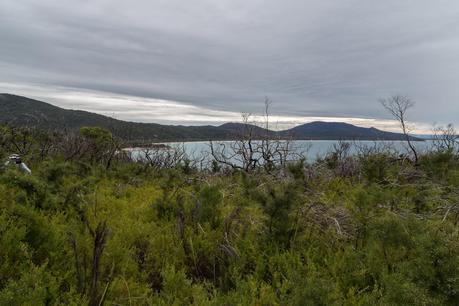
x=241 y=153
x=267 y=147
x=446 y=139
x=163 y=157
x=255 y=146
x=398 y=106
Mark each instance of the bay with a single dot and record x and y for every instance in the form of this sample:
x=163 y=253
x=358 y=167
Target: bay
x=311 y=150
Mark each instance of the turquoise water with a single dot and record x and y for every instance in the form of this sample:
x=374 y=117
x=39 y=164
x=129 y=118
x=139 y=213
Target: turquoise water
x=310 y=149
x=314 y=148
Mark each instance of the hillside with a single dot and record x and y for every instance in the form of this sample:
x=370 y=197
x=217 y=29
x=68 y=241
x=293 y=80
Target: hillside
x=335 y=130
x=22 y=111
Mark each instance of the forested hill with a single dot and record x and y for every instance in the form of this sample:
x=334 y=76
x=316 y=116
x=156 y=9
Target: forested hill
x=22 y=111
x=319 y=130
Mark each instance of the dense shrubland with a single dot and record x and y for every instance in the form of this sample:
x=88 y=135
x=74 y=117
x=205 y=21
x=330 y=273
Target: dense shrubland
x=90 y=226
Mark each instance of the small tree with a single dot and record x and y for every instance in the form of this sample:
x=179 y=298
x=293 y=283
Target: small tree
x=99 y=145
x=398 y=106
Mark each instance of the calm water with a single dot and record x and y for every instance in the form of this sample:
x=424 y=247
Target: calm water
x=311 y=149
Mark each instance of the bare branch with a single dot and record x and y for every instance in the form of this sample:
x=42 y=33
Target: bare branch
x=398 y=106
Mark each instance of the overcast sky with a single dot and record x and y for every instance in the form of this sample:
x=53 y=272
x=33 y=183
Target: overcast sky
x=205 y=61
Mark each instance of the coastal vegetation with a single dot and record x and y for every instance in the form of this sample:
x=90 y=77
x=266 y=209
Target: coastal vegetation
x=92 y=226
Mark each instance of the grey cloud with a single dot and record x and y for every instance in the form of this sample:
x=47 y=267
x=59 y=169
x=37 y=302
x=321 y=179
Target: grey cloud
x=312 y=58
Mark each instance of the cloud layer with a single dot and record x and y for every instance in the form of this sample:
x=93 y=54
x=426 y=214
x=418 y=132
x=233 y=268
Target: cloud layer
x=215 y=58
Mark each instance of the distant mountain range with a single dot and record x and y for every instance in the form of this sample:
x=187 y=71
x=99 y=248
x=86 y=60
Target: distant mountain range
x=22 y=111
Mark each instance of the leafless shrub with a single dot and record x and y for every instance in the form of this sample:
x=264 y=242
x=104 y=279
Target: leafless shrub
x=446 y=138
x=398 y=107
x=364 y=150
x=341 y=149
x=341 y=161
x=241 y=153
x=325 y=218
x=161 y=157
x=314 y=171
x=255 y=146
x=412 y=175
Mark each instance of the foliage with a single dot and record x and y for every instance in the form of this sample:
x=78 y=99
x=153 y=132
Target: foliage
x=75 y=232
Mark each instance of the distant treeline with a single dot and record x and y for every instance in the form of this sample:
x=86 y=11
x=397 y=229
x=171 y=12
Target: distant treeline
x=24 y=112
